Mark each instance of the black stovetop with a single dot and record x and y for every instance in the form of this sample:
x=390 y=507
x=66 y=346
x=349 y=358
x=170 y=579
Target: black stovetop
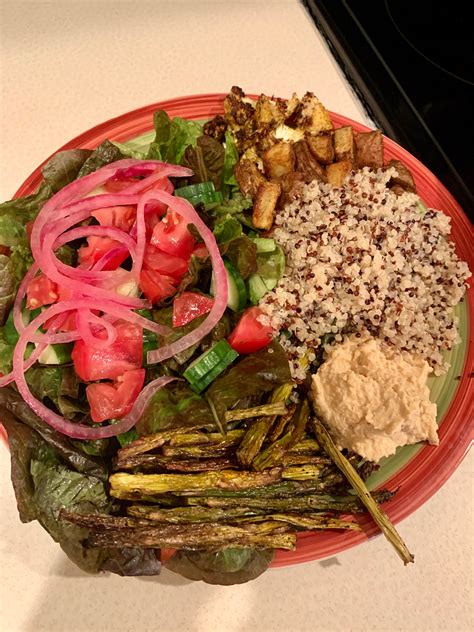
x=412 y=65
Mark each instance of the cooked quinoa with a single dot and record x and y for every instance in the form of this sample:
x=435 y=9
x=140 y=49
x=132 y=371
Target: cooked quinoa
x=362 y=259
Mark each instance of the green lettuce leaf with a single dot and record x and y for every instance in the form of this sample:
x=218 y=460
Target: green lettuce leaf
x=254 y=375
x=227 y=567
x=64 y=167
x=65 y=448
x=206 y=159
x=231 y=158
x=44 y=485
x=14 y=214
x=174 y=406
x=132 y=150
x=12 y=270
x=105 y=153
x=242 y=253
x=227 y=229
x=60 y=386
x=172 y=137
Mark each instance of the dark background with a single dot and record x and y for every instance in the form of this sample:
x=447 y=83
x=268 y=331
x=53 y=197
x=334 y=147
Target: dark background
x=412 y=65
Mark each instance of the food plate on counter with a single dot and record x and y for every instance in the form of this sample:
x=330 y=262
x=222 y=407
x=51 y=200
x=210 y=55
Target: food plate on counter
x=416 y=471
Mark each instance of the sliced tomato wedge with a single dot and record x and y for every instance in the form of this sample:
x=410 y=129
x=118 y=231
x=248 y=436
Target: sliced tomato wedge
x=112 y=401
x=188 y=306
x=41 y=291
x=109 y=363
x=96 y=248
x=250 y=335
x=115 y=185
x=164 y=263
x=121 y=217
x=201 y=251
x=156 y=286
x=171 y=235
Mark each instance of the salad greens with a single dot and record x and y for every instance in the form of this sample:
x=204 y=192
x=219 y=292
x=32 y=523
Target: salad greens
x=227 y=567
x=52 y=472
x=201 y=429
x=172 y=137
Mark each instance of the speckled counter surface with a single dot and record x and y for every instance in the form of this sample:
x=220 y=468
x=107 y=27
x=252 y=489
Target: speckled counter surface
x=68 y=65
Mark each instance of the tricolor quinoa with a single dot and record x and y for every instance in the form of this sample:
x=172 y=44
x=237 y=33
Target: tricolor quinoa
x=362 y=259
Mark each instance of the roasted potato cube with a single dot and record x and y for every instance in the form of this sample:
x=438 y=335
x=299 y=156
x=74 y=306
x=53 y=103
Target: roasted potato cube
x=322 y=148
x=248 y=177
x=337 y=172
x=313 y=116
x=291 y=187
x=278 y=160
x=404 y=180
x=306 y=163
x=344 y=143
x=264 y=205
x=369 y=149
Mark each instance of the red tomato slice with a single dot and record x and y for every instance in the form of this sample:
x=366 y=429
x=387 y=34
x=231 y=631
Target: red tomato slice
x=125 y=354
x=249 y=334
x=112 y=401
x=189 y=306
x=164 y=263
x=67 y=322
x=171 y=235
x=121 y=217
x=156 y=286
x=96 y=248
x=119 y=184
x=41 y=291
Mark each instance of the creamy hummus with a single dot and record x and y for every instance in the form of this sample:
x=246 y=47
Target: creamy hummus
x=374 y=398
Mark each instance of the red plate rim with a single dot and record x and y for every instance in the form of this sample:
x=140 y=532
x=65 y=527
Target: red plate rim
x=429 y=469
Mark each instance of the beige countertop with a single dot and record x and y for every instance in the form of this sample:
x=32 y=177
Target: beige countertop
x=68 y=65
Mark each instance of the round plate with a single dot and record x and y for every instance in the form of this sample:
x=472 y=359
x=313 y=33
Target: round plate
x=417 y=471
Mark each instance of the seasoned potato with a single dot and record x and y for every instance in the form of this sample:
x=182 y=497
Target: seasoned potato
x=404 y=180
x=269 y=112
x=306 y=163
x=248 y=177
x=344 y=143
x=322 y=148
x=369 y=149
x=278 y=160
x=264 y=205
x=313 y=116
x=291 y=187
x=337 y=172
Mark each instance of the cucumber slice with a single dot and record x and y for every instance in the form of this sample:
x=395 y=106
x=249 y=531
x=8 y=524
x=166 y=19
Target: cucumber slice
x=204 y=382
x=257 y=288
x=202 y=193
x=56 y=354
x=237 y=292
x=202 y=371
x=264 y=244
x=195 y=189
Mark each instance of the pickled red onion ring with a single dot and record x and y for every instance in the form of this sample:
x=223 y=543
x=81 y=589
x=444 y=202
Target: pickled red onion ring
x=186 y=210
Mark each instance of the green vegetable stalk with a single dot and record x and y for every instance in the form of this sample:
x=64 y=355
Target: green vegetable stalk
x=380 y=517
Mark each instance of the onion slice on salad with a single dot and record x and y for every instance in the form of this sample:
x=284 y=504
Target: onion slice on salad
x=71 y=429
x=92 y=289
